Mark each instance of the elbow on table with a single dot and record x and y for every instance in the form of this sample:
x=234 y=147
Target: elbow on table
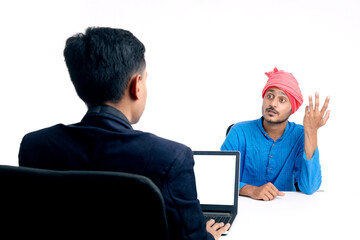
x=310 y=189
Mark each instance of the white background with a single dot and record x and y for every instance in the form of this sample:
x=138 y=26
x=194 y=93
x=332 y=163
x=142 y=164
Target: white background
x=206 y=62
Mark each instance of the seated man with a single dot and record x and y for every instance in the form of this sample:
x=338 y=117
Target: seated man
x=277 y=154
x=107 y=67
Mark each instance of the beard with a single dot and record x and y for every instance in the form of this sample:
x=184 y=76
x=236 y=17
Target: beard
x=279 y=121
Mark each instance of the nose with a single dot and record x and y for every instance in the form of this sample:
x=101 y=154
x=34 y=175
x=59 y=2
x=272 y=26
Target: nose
x=273 y=103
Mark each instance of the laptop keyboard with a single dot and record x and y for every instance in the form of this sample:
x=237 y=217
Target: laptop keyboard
x=218 y=218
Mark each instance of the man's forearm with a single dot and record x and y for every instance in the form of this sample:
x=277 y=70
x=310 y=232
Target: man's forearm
x=246 y=190
x=310 y=143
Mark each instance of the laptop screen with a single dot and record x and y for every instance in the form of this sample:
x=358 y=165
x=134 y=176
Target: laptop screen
x=215 y=174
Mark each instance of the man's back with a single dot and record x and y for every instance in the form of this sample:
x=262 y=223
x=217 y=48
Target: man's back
x=108 y=70
x=104 y=140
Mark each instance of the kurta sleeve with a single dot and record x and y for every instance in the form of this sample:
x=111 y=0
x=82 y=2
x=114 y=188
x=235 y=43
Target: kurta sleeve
x=308 y=172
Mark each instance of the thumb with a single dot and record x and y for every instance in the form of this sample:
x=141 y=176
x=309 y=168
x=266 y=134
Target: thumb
x=281 y=194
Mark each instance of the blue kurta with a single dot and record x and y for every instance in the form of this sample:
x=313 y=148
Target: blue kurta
x=282 y=162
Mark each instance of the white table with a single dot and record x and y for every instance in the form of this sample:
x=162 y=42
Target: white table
x=319 y=216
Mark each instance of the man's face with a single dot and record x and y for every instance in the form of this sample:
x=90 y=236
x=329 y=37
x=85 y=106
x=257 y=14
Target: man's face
x=276 y=106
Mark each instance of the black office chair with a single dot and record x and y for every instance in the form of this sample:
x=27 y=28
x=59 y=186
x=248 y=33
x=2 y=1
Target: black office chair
x=228 y=129
x=79 y=204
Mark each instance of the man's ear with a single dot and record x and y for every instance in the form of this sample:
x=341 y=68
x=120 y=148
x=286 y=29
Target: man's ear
x=134 y=86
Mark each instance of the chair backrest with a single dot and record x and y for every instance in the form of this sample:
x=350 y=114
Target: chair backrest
x=98 y=204
x=228 y=129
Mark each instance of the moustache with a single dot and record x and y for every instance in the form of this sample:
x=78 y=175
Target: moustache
x=272 y=110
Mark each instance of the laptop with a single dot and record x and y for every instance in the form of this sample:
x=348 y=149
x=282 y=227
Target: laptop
x=217 y=181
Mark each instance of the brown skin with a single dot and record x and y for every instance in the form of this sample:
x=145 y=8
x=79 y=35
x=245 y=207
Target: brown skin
x=314 y=119
x=276 y=110
x=132 y=105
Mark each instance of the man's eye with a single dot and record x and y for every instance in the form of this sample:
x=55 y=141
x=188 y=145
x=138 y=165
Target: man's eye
x=282 y=100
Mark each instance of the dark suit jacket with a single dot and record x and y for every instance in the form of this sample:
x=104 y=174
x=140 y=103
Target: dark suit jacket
x=105 y=140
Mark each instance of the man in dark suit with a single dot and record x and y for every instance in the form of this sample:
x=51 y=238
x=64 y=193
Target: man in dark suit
x=107 y=67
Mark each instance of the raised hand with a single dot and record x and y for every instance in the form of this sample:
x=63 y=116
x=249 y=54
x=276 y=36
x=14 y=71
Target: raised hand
x=314 y=117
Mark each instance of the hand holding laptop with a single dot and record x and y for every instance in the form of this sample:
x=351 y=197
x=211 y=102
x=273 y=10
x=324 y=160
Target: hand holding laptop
x=216 y=229
x=217 y=182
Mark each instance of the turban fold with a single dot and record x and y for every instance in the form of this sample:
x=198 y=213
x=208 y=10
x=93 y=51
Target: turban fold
x=286 y=82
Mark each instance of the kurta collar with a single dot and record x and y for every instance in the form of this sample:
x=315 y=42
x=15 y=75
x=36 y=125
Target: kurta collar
x=261 y=127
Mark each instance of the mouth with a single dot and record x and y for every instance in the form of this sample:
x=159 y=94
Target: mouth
x=272 y=111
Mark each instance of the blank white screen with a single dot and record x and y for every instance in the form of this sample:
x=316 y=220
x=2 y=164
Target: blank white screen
x=215 y=178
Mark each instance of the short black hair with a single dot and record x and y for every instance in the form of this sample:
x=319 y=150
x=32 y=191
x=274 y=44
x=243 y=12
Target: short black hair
x=101 y=62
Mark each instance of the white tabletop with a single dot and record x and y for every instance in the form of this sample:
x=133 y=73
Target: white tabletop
x=298 y=216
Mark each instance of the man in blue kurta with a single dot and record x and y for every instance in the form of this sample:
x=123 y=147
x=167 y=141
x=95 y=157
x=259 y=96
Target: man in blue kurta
x=277 y=155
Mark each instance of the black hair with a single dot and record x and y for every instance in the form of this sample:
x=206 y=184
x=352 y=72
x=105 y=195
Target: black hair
x=101 y=63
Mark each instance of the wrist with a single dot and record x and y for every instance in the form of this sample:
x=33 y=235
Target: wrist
x=247 y=190
x=310 y=132
x=310 y=142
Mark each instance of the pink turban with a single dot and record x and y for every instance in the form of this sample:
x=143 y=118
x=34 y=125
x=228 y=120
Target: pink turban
x=286 y=82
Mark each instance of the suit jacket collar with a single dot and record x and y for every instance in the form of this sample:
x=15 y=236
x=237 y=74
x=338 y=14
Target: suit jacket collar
x=109 y=112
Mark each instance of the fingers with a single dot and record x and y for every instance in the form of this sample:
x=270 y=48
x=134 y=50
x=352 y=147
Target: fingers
x=267 y=196
x=223 y=228
x=217 y=225
x=306 y=111
x=281 y=194
x=326 y=117
x=273 y=192
x=316 y=101
x=310 y=107
x=216 y=229
x=220 y=227
x=314 y=117
x=325 y=106
x=268 y=192
x=210 y=223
